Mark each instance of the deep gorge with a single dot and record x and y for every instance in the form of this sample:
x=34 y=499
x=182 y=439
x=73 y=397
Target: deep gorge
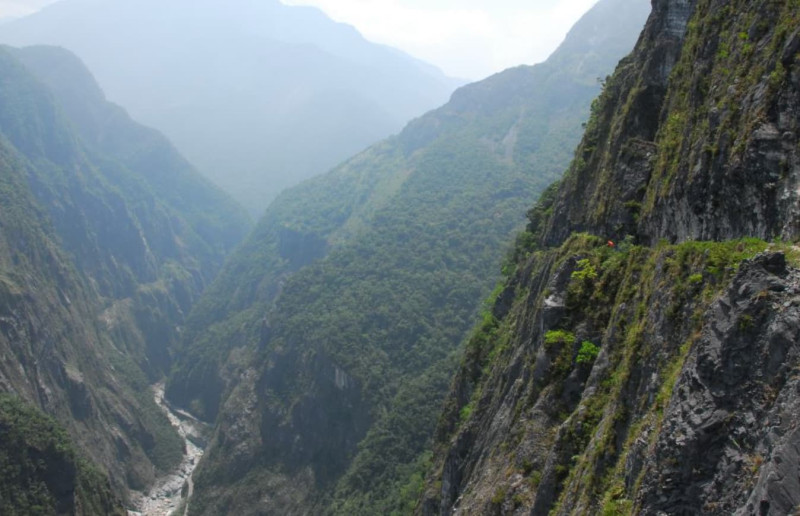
x=571 y=289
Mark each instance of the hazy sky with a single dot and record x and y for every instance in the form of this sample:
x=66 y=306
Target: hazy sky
x=14 y=8
x=466 y=38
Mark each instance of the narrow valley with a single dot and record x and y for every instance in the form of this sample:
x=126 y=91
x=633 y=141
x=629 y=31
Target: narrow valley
x=170 y=494
x=572 y=289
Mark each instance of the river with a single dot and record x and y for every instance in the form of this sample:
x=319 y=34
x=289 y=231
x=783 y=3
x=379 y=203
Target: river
x=164 y=497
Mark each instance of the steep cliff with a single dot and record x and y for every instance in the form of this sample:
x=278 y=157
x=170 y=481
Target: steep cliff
x=656 y=375
x=325 y=346
x=99 y=262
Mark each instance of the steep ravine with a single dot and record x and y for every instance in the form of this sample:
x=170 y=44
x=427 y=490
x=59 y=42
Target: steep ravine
x=170 y=493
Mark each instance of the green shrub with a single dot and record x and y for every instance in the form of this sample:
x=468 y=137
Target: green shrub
x=553 y=337
x=499 y=496
x=585 y=271
x=588 y=353
x=466 y=411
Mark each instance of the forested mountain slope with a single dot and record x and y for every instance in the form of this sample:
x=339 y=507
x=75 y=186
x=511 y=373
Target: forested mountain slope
x=99 y=266
x=51 y=349
x=40 y=471
x=257 y=94
x=142 y=225
x=657 y=376
x=324 y=347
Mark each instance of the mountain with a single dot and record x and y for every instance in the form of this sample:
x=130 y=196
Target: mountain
x=108 y=238
x=258 y=95
x=327 y=342
x=141 y=223
x=641 y=355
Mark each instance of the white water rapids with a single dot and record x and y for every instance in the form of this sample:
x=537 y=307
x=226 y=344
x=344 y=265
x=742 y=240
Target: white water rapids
x=164 y=498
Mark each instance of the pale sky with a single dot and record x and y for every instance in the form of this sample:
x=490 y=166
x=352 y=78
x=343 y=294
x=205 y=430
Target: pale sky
x=15 y=8
x=470 y=39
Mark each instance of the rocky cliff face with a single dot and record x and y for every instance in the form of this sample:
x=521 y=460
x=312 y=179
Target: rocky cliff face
x=728 y=442
x=657 y=376
x=685 y=123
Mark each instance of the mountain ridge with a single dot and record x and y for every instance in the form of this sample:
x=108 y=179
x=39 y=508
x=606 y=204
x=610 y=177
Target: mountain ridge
x=292 y=93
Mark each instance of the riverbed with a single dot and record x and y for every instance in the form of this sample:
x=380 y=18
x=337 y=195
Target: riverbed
x=164 y=498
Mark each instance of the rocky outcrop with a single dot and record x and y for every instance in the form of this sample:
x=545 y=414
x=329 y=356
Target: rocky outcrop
x=683 y=126
x=685 y=406
x=597 y=195
x=727 y=444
